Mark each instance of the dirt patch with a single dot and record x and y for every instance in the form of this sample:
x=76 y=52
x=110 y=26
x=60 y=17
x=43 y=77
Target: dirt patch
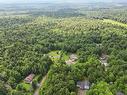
x=72 y=59
x=103 y=59
x=81 y=92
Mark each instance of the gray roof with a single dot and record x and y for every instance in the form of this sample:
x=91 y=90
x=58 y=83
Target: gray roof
x=119 y=93
x=83 y=84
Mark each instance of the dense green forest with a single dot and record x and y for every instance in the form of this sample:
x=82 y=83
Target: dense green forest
x=39 y=39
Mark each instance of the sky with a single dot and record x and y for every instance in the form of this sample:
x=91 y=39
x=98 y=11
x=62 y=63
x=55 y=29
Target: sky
x=52 y=1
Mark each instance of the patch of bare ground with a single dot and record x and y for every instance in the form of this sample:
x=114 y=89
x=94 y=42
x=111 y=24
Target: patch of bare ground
x=81 y=92
x=72 y=59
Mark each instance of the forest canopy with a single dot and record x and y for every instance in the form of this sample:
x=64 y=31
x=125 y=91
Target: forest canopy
x=47 y=49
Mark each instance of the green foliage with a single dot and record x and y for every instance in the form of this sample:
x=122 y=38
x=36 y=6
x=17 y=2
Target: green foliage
x=58 y=82
x=28 y=40
x=3 y=90
x=24 y=87
x=102 y=88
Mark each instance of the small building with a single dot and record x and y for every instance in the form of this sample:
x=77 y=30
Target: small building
x=120 y=93
x=111 y=83
x=29 y=78
x=84 y=85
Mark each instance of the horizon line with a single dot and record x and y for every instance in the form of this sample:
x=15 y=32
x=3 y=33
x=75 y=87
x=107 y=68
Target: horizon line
x=59 y=2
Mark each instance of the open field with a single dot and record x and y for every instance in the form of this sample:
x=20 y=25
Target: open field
x=56 y=55
x=115 y=22
x=25 y=86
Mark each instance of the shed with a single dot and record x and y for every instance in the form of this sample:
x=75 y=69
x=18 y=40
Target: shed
x=29 y=78
x=120 y=93
x=84 y=85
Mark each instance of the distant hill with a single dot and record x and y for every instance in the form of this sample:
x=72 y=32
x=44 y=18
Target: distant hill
x=61 y=1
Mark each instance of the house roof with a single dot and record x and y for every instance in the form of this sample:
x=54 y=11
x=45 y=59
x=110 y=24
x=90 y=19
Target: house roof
x=82 y=84
x=119 y=93
x=29 y=78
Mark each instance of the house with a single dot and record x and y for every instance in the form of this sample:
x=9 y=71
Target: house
x=111 y=83
x=29 y=78
x=119 y=93
x=84 y=85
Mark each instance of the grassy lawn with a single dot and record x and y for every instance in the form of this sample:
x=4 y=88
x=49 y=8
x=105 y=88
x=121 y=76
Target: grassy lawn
x=36 y=77
x=25 y=93
x=65 y=56
x=55 y=55
x=26 y=86
x=115 y=22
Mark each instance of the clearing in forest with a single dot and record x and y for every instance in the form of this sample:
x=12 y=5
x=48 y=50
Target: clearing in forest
x=57 y=55
x=26 y=86
x=72 y=59
x=81 y=92
x=115 y=22
x=103 y=59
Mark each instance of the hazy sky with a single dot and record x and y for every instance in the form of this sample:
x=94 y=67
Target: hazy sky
x=36 y=1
